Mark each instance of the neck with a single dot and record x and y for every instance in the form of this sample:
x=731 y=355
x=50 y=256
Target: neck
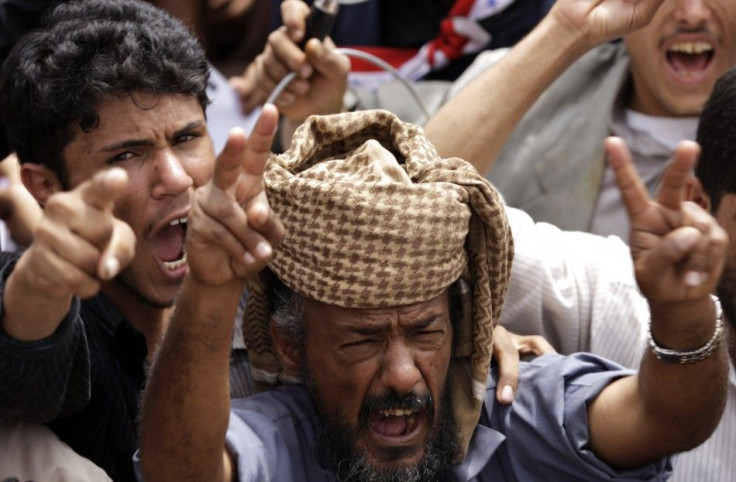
x=149 y=320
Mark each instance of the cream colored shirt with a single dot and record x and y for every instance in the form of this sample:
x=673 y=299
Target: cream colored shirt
x=579 y=291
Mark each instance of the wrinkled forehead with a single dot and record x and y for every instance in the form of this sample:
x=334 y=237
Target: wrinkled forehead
x=319 y=314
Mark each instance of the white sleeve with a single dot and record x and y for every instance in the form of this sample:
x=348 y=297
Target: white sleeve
x=576 y=289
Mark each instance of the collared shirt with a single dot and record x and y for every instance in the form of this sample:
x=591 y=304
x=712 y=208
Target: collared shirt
x=542 y=436
x=578 y=290
x=83 y=381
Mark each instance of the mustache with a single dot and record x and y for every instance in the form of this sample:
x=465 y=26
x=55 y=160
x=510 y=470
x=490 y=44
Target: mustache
x=681 y=30
x=395 y=401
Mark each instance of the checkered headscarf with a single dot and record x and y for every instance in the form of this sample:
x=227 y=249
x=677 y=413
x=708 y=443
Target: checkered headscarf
x=375 y=219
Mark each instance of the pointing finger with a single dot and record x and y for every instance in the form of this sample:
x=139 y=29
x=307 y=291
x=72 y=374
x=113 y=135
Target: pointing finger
x=633 y=191
x=101 y=191
x=229 y=162
x=261 y=139
x=672 y=192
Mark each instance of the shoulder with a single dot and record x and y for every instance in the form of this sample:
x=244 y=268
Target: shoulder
x=270 y=435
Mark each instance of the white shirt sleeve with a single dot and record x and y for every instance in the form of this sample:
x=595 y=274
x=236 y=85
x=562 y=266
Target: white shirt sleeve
x=576 y=289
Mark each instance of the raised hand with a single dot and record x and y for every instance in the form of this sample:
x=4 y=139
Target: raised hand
x=321 y=71
x=677 y=247
x=603 y=20
x=78 y=245
x=79 y=242
x=232 y=231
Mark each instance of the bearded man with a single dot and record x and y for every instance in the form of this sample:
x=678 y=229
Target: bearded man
x=380 y=303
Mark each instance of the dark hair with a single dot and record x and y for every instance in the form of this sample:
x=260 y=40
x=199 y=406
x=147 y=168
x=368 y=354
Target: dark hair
x=89 y=51
x=716 y=168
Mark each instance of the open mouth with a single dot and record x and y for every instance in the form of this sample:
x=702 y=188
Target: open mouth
x=394 y=423
x=690 y=60
x=168 y=245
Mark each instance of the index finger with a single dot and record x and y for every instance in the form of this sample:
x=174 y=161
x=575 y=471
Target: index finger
x=672 y=192
x=104 y=187
x=630 y=185
x=241 y=153
x=261 y=139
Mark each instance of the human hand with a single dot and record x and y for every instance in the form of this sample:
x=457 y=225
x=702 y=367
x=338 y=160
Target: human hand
x=281 y=56
x=321 y=79
x=232 y=230
x=79 y=243
x=678 y=248
x=598 y=21
x=507 y=349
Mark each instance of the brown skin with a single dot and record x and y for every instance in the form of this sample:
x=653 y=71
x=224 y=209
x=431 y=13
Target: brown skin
x=658 y=89
x=352 y=355
x=230 y=217
x=167 y=154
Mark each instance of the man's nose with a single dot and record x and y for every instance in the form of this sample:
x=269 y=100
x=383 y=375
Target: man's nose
x=400 y=371
x=171 y=178
x=692 y=13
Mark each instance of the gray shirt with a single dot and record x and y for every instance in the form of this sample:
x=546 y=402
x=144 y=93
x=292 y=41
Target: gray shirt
x=542 y=436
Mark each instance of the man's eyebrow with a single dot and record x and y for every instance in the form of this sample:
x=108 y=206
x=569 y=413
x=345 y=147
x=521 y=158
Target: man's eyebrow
x=367 y=329
x=423 y=322
x=420 y=324
x=147 y=142
x=126 y=144
x=190 y=126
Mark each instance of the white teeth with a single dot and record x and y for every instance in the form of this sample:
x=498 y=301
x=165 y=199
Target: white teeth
x=396 y=413
x=173 y=265
x=691 y=47
x=178 y=221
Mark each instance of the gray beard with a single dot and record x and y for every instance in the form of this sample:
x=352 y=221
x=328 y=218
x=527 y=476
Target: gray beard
x=335 y=448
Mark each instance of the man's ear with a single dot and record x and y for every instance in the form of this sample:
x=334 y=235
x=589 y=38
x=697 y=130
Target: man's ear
x=288 y=351
x=40 y=181
x=694 y=192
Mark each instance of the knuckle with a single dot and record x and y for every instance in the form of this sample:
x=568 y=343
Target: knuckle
x=60 y=206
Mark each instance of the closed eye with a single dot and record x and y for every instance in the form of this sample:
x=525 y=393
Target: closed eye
x=361 y=342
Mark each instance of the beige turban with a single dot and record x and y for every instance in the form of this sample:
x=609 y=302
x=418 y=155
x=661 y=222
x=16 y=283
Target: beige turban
x=374 y=219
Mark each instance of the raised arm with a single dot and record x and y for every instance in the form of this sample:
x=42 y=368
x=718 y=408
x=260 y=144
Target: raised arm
x=475 y=123
x=231 y=235
x=78 y=245
x=678 y=251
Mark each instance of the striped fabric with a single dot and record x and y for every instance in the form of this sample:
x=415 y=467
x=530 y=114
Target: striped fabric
x=578 y=290
x=85 y=381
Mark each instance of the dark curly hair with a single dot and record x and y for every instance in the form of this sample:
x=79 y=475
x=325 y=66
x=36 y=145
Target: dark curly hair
x=89 y=51
x=716 y=168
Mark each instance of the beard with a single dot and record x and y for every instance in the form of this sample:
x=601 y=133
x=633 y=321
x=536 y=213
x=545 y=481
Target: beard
x=336 y=448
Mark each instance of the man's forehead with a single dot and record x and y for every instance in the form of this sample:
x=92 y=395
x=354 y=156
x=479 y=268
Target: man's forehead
x=323 y=312
x=139 y=114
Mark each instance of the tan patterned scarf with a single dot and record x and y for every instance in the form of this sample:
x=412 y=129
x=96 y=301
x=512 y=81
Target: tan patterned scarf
x=375 y=218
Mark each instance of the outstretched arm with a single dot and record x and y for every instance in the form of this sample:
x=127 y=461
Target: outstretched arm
x=231 y=235
x=678 y=251
x=495 y=102
x=78 y=245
